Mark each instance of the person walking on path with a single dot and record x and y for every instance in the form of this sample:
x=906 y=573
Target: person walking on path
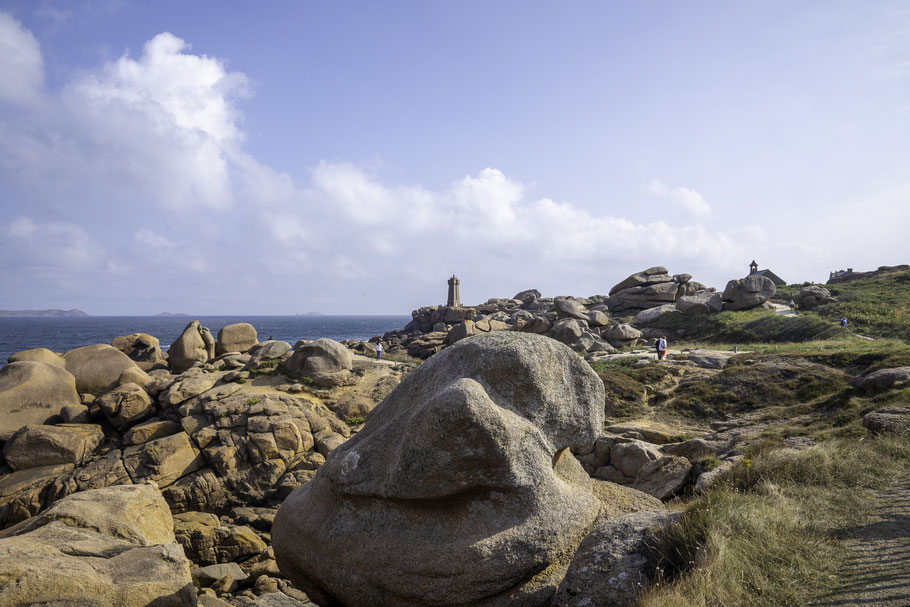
x=792 y=306
x=662 y=348
x=843 y=323
x=378 y=350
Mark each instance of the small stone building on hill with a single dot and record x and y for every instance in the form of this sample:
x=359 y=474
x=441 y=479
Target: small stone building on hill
x=777 y=280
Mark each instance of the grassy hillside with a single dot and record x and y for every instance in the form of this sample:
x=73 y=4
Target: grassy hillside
x=875 y=306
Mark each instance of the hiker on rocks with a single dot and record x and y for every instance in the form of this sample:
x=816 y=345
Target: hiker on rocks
x=662 y=348
x=378 y=350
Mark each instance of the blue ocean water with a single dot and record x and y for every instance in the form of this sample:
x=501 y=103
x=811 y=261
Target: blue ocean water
x=65 y=333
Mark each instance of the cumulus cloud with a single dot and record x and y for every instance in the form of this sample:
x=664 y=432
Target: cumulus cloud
x=21 y=65
x=138 y=166
x=687 y=198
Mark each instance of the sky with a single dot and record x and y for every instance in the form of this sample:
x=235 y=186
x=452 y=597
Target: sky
x=348 y=157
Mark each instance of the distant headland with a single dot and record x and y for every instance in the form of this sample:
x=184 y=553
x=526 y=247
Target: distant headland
x=52 y=312
x=172 y=314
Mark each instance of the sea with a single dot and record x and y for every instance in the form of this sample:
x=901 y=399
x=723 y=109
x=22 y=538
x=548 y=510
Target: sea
x=60 y=334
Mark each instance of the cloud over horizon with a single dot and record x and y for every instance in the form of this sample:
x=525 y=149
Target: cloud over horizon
x=135 y=172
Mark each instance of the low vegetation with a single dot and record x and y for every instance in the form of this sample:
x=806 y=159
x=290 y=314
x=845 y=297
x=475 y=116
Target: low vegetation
x=878 y=306
x=767 y=535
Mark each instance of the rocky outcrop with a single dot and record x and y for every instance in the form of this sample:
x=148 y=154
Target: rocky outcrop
x=614 y=562
x=97 y=368
x=141 y=348
x=888 y=420
x=194 y=346
x=38 y=445
x=107 y=547
x=703 y=302
x=812 y=296
x=126 y=405
x=238 y=337
x=649 y=289
x=33 y=393
x=749 y=292
x=325 y=361
x=882 y=379
x=41 y=355
x=459 y=490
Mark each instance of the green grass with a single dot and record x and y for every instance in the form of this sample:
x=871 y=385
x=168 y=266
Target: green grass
x=747 y=327
x=354 y=420
x=252 y=401
x=767 y=535
x=875 y=306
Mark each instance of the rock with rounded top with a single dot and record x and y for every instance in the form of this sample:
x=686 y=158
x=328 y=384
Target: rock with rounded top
x=269 y=350
x=629 y=457
x=40 y=355
x=888 y=420
x=811 y=296
x=646 y=317
x=573 y=333
x=97 y=368
x=326 y=361
x=645 y=277
x=703 y=302
x=749 y=292
x=33 y=393
x=126 y=406
x=135 y=375
x=194 y=346
x=528 y=296
x=621 y=334
x=186 y=388
x=539 y=324
x=39 y=445
x=134 y=513
x=569 y=308
x=882 y=379
x=482 y=429
x=237 y=337
x=106 y=547
x=663 y=477
x=140 y=347
x=614 y=562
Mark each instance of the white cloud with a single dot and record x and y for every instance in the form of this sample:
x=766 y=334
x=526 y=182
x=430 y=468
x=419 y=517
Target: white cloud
x=21 y=66
x=28 y=245
x=687 y=198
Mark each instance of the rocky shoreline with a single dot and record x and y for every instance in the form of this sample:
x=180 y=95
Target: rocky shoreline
x=229 y=471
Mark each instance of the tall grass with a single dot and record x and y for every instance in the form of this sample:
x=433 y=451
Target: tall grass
x=767 y=535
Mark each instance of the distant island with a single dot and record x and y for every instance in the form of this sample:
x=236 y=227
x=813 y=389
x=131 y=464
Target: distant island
x=52 y=312
x=172 y=314
x=314 y=314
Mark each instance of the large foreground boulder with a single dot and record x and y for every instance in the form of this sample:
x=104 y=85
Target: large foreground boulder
x=33 y=393
x=195 y=345
x=41 y=355
x=113 y=547
x=459 y=490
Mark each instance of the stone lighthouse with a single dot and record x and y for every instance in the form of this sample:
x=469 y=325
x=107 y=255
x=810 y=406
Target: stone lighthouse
x=454 y=300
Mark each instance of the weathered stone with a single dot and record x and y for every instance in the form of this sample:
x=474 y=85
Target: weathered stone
x=140 y=347
x=40 y=355
x=100 y=472
x=663 y=477
x=267 y=350
x=194 y=346
x=22 y=493
x=37 y=445
x=163 y=460
x=629 y=457
x=888 y=420
x=645 y=277
x=97 y=368
x=621 y=334
x=326 y=361
x=695 y=448
x=186 y=388
x=150 y=430
x=33 y=393
x=125 y=406
x=61 y=565
x=206 y=576
x=748 y=292
x=646 y=317
x=883 y=379
x=810 y=296
x=704 y=302
x=482 y=429
x=613 y=562
x=238 y=337
x=528 y=296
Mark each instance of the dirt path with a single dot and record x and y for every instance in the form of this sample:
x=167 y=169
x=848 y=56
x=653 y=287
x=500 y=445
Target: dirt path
x=878 y=571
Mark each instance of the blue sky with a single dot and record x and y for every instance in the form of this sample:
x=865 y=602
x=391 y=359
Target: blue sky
x=347 y=157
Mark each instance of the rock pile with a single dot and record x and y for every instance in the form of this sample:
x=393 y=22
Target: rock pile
x=210 y=434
